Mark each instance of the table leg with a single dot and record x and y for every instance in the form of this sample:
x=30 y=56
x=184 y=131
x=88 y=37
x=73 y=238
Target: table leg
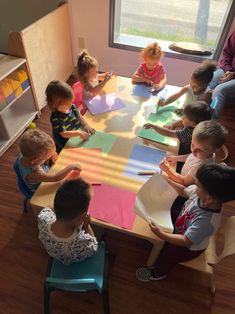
x=157 y=246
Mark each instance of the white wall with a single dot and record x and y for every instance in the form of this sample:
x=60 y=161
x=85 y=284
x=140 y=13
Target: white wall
x=90 y=20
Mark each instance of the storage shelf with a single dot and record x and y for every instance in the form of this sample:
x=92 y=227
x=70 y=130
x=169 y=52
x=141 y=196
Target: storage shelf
x=8 y=65
x=20 y=112
x=14 y=100
x=5 y=144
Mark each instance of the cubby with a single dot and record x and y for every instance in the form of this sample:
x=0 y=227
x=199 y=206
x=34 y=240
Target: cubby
x=18 y=107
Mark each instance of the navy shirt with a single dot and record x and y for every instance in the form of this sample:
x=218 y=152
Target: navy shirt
x=62 y=122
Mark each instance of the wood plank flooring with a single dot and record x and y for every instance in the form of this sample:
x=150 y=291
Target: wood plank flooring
x=23 y=262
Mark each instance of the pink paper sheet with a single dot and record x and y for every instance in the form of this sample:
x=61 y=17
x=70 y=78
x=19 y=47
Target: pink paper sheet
x=113 y=205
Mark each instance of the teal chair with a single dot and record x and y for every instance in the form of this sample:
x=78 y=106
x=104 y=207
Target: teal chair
x=90 y=274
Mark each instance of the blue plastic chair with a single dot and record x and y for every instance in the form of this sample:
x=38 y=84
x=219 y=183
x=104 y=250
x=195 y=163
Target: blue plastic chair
x=22 y=186
x=90 y=274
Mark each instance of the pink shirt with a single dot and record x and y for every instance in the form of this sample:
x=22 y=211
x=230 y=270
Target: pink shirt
x=156 y=75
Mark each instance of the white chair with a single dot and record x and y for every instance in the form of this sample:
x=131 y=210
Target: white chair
x=209 y=258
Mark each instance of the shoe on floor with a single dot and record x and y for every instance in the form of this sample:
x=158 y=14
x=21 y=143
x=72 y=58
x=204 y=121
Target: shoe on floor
x=146 y=274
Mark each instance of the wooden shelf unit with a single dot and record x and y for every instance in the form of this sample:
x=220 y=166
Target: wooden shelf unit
x=18 y=114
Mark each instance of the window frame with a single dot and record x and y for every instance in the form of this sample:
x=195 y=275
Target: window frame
x=167 y=52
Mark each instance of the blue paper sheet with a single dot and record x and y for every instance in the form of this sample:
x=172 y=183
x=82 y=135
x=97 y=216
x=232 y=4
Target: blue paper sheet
x=104 y=103
x=143 y=158
x=141 y=90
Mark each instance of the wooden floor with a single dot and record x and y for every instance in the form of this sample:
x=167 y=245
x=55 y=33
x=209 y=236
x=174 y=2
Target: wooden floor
x=23 y=262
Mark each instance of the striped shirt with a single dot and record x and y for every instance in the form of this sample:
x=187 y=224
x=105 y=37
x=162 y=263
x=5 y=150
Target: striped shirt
x=63 y=122
x=185 y=138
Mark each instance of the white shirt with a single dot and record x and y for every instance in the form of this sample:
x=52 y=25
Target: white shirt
x=77 y=247
x=192 y=164
x=197 y=223
x=190 y=96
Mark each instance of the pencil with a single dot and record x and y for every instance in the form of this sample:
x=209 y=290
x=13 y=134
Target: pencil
x=146 y=172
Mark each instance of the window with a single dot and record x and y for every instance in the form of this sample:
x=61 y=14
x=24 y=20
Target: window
x=135 y=23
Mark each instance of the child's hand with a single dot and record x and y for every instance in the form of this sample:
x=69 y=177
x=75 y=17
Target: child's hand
x=172 y=160
x=155 y=229
x=75 y=170
x=84 y=135
x=168 y=126
x=164 y=165
x=161 y=103
x=112 y=73
x=157 y=86
x=89 y=129
x=147 y=126
x=107 y=76
x=86 y=221
x=76 y=167
x=149 y=82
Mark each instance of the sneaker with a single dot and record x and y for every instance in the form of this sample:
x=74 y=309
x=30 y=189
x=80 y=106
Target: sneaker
x=147 y=274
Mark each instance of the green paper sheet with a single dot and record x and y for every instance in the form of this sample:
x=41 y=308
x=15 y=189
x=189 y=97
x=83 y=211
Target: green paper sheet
x=164 y=115
x=100 y=140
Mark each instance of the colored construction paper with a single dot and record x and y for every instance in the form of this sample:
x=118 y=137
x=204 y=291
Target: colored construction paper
x=160 y=94
x=104 y=103
x=143 y=158
x=90 y=160
x=113 y=205
x=154 y=201
x=141 y=90
x=100 y=140
x=163 y=116
x=144 y=90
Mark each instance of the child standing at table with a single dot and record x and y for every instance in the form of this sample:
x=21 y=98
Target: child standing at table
x=65 y=231
x=151 y=71
x=92 y=82
x=208 y=137
x=195 y=222
x=193 y=113
x=198 y=88
x=37 y=148
x=65 y=118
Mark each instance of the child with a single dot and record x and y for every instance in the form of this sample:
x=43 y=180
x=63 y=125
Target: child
x=36 y=149
x=208 y=137
x=151 y=71
x=87 y=68
x=198 y=88
x=65 y=118
x=194 y=113
x=65 y=232
x=198 y=220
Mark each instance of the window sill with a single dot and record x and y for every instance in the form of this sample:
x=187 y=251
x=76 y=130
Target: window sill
x=136 y=43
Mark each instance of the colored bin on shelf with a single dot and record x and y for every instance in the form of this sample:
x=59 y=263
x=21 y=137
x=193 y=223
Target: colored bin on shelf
x=3 y=102
x=22 y=76
x=16 y=86
x=25 y=84
x=7 y=91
